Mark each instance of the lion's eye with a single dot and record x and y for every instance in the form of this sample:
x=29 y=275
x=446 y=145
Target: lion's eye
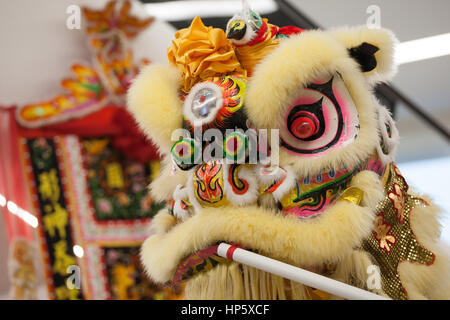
x=322 y=117
x=304 y=122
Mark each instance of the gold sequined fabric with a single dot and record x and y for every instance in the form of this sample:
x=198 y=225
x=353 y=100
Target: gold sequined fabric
x=393 y=241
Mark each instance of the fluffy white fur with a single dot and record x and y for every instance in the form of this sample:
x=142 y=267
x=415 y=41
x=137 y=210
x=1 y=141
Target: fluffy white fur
x=332 y=237
x=420 y=281
x=384 y=39
x=326 y=238
x=162 y=222
x=277 y=175
x=153 y=100
x=236 y=281
x=179 y=195
x=168 y=178
x=352 y=269
x=368 y=181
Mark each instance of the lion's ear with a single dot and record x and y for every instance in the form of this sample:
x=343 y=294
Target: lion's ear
x=372 y=49
x=154 y=101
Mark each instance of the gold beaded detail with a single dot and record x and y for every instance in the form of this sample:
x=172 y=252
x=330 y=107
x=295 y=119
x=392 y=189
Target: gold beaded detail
x=393 y=240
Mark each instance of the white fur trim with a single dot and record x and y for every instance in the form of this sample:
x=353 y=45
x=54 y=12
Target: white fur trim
x=250 y=34
x=286 y=185
x=180 y=194
x=301 y=242
x=384 y=39
x=244 y=173
x=278 y=174
x=154 y=101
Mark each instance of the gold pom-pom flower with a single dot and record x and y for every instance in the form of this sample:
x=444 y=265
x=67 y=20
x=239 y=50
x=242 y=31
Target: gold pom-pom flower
x=200 y=52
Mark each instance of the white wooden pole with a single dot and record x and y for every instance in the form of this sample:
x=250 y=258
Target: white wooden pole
x=296 y=274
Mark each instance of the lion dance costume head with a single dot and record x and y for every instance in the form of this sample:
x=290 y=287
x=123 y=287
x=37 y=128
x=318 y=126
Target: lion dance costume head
x=332 y=201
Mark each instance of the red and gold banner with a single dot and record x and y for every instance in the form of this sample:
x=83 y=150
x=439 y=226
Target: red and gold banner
x=89 y=194
x=86 y=167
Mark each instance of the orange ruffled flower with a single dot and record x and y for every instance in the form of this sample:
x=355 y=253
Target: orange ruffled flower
x=201 y=52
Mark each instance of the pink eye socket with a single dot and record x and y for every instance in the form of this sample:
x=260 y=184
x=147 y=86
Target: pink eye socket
x=322 y=117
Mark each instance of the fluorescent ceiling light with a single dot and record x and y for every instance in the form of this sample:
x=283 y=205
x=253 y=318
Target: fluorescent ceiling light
x=2 y=200
x=22 y=214
x=78 y=251
x=12 y=207
x=185 y=10
x=424 y=48
x=430 y=177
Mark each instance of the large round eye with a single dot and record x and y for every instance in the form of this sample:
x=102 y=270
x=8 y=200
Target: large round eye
x=321 y=118
x=203 y=103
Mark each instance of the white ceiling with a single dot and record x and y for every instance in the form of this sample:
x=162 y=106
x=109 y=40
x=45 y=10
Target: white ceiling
x=38 y=49
x=409 y=19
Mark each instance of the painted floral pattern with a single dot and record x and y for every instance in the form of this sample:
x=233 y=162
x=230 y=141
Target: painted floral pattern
x=382 y=233
x=397 y=196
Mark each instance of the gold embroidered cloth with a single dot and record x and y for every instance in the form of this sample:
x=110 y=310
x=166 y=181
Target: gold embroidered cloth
x=393 y=241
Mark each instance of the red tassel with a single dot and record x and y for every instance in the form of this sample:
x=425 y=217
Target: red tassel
x=290 y=30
